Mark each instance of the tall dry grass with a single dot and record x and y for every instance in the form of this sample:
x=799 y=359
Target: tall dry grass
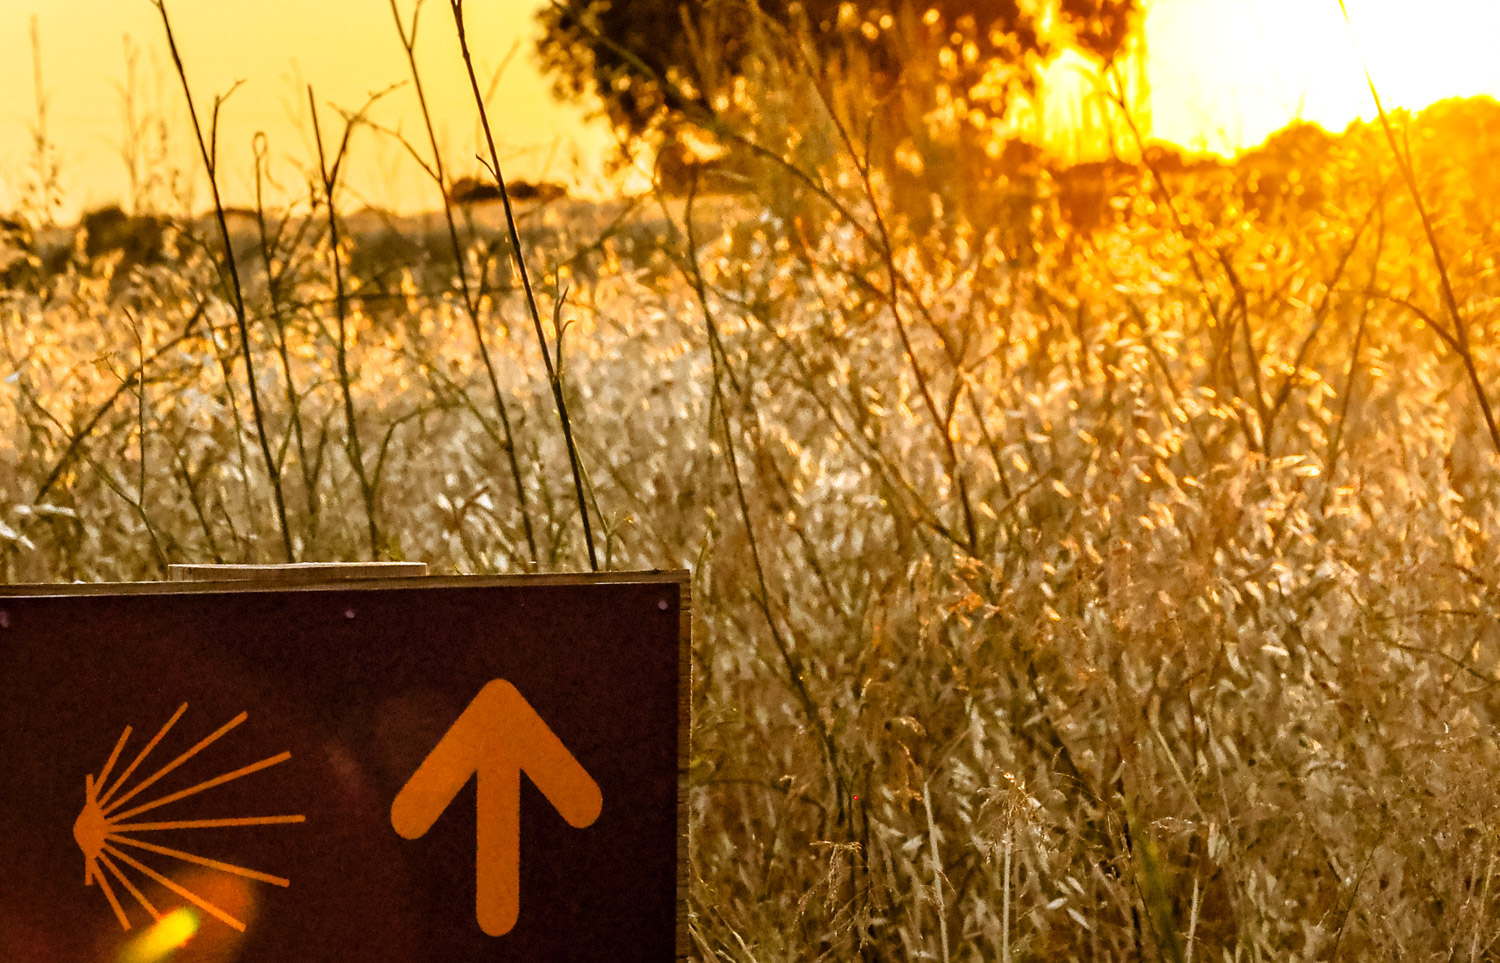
x=1107 y=587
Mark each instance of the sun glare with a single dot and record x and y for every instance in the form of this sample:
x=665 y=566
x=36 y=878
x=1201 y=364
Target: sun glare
x=1221 y=74
x=1224 y=74
x=165 y=937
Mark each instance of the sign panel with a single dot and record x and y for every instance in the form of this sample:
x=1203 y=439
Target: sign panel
x=414 y=769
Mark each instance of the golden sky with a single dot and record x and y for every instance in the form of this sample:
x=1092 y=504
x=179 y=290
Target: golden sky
x=345 y=49
x=1223 y=74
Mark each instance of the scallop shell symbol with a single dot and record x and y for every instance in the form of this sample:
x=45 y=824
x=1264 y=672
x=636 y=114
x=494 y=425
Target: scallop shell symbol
x=107 y=823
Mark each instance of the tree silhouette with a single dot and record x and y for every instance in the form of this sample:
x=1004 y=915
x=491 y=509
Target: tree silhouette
x=653 y=62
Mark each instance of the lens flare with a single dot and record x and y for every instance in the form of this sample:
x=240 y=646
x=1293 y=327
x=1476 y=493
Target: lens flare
x=166 y=936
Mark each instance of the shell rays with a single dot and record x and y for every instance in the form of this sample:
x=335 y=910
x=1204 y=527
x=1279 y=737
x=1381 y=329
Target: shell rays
x=108 y=819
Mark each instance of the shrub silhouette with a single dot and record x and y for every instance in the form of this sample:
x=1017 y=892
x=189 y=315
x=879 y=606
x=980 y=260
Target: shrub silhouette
x=472 y=190
x=136 y=238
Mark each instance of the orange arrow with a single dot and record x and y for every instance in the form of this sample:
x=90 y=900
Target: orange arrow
x=498 y=737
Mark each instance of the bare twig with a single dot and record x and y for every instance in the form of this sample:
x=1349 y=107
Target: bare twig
x=329 y=175
x=553 y=379
x=1461 y=343
x=209 y=151
x=470 y=299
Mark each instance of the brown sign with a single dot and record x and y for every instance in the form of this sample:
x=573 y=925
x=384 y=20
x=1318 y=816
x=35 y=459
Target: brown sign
x=405 y=770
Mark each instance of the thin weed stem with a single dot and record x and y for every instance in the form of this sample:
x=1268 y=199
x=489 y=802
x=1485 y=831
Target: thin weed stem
x=329 y=175
x=796 y=673
x=1460 y=335
x=460 y=262
x=275 y=292
x=553 y=377
x=208 y=150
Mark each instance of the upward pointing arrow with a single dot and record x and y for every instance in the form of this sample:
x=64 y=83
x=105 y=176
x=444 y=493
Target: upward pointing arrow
x=497 y=737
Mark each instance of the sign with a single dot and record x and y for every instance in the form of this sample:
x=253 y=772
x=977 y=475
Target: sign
x=403 y=770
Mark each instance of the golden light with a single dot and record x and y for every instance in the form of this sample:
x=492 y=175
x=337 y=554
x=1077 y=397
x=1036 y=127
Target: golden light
x=1224 y=74
x=165 y=937
x=344 y=48
x=1221 y=75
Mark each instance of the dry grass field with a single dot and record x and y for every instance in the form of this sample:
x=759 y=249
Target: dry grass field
x=1101 y=565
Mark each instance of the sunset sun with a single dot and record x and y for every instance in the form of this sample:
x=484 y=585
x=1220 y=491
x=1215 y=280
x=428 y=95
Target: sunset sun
x=1226 y=73
x=1222 y=75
